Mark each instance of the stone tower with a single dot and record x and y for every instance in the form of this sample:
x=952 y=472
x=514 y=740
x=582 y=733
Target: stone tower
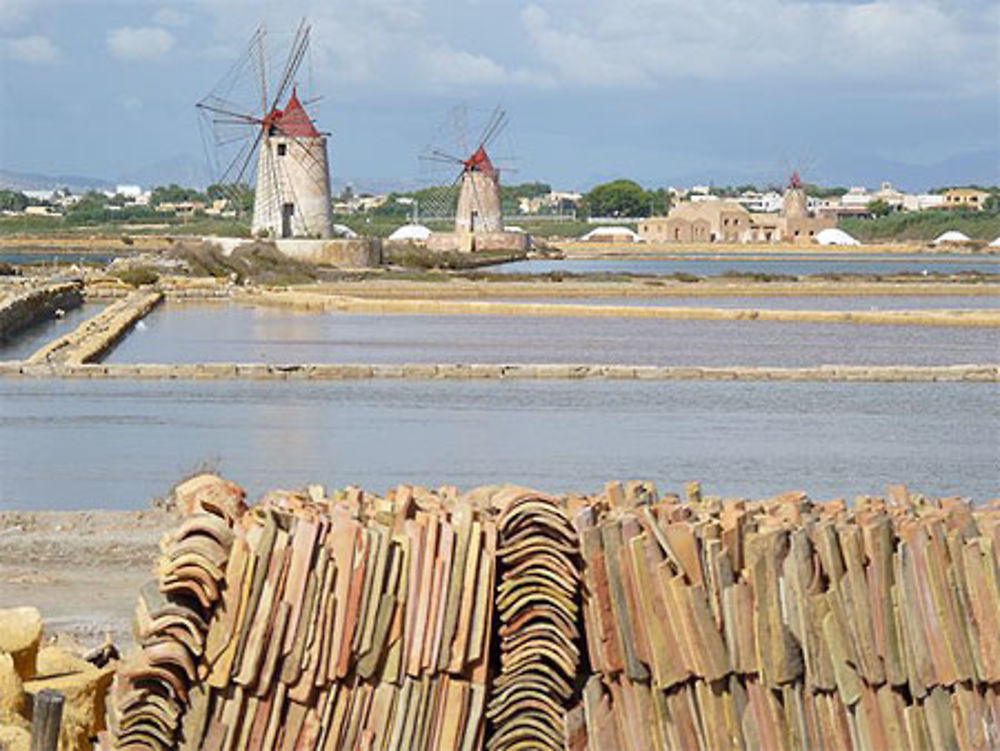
x=794 y=204
x=293 y=177
x=479 y=203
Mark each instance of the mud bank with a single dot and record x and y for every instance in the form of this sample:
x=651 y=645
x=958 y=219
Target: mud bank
x=491 y=371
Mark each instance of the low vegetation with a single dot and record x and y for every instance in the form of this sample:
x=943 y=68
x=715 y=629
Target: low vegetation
x=924 y=226
x=256 y=262
x=138 y=276
x=411 y=255
x=125 y=223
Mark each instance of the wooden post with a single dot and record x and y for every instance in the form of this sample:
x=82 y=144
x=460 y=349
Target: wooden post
x=46 y=718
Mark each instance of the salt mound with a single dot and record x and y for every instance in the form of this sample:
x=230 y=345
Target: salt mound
x=411 y=232
x=951 y=236
x=834 y=236
x=615 y=234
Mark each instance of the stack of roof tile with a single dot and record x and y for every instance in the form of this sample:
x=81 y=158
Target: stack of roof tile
x=346 y=622
x=537 y=602
x=360 y=622
x=785 y=624
x=152 y=688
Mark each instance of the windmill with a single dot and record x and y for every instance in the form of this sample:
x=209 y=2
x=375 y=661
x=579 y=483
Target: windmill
x=249 y=138
x=479 y=206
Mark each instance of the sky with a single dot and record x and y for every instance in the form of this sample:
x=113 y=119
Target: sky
x=668 y=92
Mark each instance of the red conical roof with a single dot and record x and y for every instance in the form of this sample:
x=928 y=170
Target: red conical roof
x=480 y=161
x=293 y=120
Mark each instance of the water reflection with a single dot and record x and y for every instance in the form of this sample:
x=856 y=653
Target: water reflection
x=116 y=444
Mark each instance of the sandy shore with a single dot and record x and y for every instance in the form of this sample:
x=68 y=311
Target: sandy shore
x=81 y=569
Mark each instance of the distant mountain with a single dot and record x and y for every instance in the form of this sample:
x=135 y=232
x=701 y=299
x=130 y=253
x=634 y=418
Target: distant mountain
x=12 y=180
x=182 y=169
x=978 y=167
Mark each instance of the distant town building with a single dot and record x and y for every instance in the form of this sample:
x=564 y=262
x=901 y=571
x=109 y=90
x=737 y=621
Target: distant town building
x=966 y=199
x=728 y=221
x=40 y=211
x=751 y=200
x=554 y=202
x=181 y=208
x=701 y=221
x=922 y=201
x=132 y=192
x=41 y=196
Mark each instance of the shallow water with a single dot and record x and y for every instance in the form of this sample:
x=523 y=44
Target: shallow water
x=782 y=302
x=57 y=258
x=193 y=333
x=116 y=444
x=715 y=266
x=72 y=444
x=28 y=341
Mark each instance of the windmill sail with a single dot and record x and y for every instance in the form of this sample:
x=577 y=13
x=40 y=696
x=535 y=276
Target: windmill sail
x=277 y=148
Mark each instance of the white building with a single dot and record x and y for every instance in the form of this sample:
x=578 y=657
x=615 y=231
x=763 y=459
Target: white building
x=760 y=203
x=922 y=202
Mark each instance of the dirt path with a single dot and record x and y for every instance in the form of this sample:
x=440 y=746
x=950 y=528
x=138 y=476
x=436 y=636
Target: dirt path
x=81 y=569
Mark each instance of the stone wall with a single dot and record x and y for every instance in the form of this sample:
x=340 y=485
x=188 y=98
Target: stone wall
x=356 y=253
x=36 y=305
x=480 y=241
x=345 y=253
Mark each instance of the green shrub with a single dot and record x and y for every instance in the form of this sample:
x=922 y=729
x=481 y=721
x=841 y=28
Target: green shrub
x=138 y=276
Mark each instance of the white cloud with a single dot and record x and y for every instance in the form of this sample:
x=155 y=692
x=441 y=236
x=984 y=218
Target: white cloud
x=140 y=42
x=419 y=45
x=444 y=68
x=34 y=49
x=170 y=17
x=14 y=13
x=644 y=42
x=395 y=43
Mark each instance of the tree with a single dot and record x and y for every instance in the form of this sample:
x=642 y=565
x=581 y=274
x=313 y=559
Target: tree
x=12 y=200
x=240 y=195
x=879 y=207
x=174 y=193
x=89 y=203
x=618 y=198
x=525 y=190
x=659 y=202
x=818 y=191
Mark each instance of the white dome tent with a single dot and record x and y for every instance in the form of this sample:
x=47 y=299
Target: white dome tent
x=411 y=232
x=951 y=236
x=611 y=234
x=835 y=236
x=995 y=243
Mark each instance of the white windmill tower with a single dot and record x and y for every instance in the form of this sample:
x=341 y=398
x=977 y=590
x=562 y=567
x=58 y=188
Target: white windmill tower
x=479 y=207
x=282 y=145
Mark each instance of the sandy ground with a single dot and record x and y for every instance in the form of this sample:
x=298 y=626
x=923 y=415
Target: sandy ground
x=81 y=569
x=458 y=288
